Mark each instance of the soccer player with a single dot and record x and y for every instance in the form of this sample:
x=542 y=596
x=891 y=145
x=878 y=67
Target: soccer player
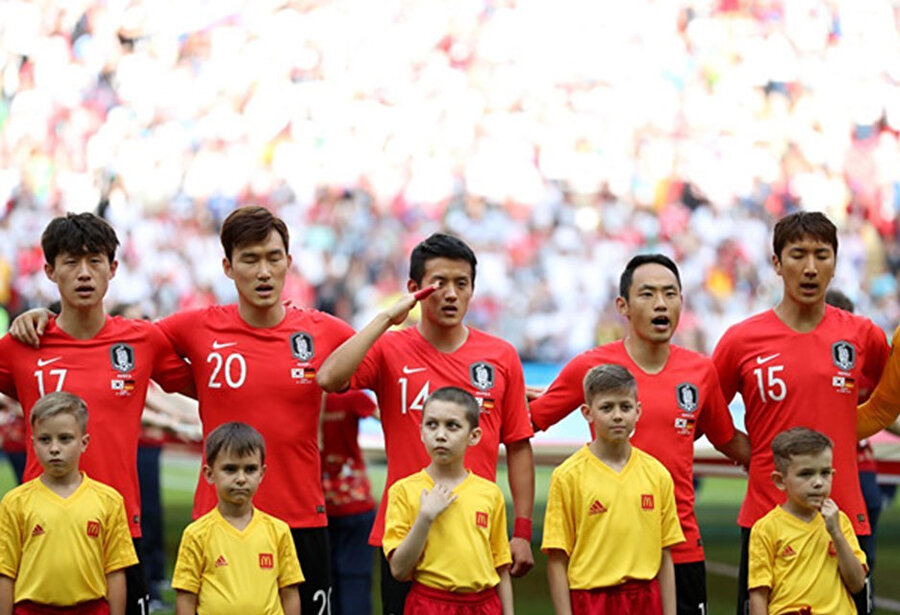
x=445 y=527
x=107 y=361
x=64 y=538
x=804 y=556
x=605 y=492
x=235 y=558
x=679 y=392
x=403 y=368
x=800 y=364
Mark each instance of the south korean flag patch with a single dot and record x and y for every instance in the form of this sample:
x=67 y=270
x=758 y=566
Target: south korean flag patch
x=302 y=346
x=121 y=356
x=482 y=375
x=843 y=354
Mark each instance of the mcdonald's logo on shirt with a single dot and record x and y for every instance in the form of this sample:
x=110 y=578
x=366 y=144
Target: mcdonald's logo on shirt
x=266 y=560
x=481 y=519
x=93 y=529
x=647 y=501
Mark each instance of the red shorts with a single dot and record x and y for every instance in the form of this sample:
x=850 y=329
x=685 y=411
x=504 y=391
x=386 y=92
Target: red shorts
x=92 y=607
x=424 y=600
x=629 y=598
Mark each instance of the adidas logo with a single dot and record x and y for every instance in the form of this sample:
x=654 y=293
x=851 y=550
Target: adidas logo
x=788 y=552
x=221 y=561
x=596 y=508
x=37 y=531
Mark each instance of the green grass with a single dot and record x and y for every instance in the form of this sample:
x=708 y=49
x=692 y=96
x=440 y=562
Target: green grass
x=717 y=507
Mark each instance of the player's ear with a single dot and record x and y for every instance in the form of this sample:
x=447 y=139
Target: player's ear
x=226 y=267
x=85 y=440
x=475 y=436
x=622 y=306
x=586 y=412
x=776 y=263
x=411 y=286
x=208 y=473
x=778 y=479
x=50 y=272
x=113 y=267
x=637 y=411
x=262 y=471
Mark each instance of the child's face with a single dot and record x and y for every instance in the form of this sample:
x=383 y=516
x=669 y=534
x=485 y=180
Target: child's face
x=236 y=478
x=445 y=431
x=613 y=415
x=807 y=480
x=58 y=443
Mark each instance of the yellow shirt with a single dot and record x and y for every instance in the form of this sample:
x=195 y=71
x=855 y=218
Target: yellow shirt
x=59 y=550
x=612 y=525
x=466 y=543
x=236 y=571
x=797 y=561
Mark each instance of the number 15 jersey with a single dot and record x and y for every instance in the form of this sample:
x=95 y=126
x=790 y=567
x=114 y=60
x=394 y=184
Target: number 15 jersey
x=790 y=379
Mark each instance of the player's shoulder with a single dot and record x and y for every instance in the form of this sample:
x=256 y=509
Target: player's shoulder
x=203 y=525
x=103 y=490
x=649 y=462
x=849 y=322
x=411 y=482
x=19 y=494
x=488 y=340
x=573 y=464
x=298 y=315
x=484 y=484
x=687 y=358
x=272 y=523
x=752 y=325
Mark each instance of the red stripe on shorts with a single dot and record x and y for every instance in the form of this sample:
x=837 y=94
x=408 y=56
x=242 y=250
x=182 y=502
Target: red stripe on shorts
x=629 y=598
x=91 y=607
x=424 y=600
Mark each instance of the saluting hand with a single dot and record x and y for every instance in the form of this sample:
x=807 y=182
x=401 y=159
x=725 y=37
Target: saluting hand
x=434 y=502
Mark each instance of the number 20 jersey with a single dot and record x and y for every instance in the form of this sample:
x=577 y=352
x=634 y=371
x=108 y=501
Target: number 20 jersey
x=790 y=379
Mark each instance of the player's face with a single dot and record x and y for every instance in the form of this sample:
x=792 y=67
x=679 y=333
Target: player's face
x=58 y=444
x=447 y=306
x=82 y=279
x=446 y=433
x=653 y=305
x=613 y=415
x=807 y=481
x=259 y=271
x=236 y=478
x=806 y=267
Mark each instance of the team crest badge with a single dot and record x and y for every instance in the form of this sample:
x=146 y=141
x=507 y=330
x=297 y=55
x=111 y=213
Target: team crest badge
x=302 y=346
x=122 y=358
x=482 y=375
x=688 y=396
x=844 y=355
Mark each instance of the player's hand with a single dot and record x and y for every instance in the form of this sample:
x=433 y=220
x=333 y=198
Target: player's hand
x=522 y=557
x=830 y=512
x=532 y=393
x=29 y=326
x=398 y=312
x=434 y=502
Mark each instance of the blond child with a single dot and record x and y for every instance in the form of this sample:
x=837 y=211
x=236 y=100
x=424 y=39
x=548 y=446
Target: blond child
x=611 y=514
x=64 y=538
x=445 y=527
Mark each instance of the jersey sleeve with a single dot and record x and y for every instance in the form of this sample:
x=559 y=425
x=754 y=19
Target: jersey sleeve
x=177 y=329
x=7 y=354
x=499 y=541
x=516 y=424
x=397 y=520
x=170 y=371
x=289 y=572
x=366 y=375
x=727 y=366
x=883 y=406
x=715 y=419
x=188 y=563
x=671 y=527
x=559 y=519
x=10 y=539
x=761 y=558
x=563 y=396
x=118 y=548
x=362 y=404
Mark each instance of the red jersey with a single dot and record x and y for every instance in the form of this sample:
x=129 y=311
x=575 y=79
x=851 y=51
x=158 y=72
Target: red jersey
x=403 y=369
x=789 y=379
x=674 y=402
x=110 y=372
x=344 y=479
x=265 y=377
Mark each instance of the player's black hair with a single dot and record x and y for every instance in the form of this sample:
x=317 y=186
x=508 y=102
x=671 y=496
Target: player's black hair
x=60 y=402
x=839 y=300
x=439 y=245
x=460 y=397
x=797 y=441
x=239 y=438
x=627 y=276
x=251 y=224
x=78 y=234
x=608 y=378
x=804 y=224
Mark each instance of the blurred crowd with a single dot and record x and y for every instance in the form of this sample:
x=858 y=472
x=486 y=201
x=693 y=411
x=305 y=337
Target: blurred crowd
x=557 y=138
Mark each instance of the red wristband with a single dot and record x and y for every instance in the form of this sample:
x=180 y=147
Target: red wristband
x=522 y=528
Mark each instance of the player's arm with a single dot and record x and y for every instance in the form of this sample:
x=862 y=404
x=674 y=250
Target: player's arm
x=883 y=406
x=116 y=592
x=738 y=448
x=558 y=579
x=852 y=571
x=666 y=579
x=29 y=326
x=520 y=466
x=7 y=594
x=759 y=600
x=338 y=368
x=404 y=558
x=290 y=600
x=505 y=591
x=562 y=397
x=186 y=603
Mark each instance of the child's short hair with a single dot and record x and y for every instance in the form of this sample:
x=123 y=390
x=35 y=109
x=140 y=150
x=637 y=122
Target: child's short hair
x=607 y=378
x=797 y=441
x=458 y=396
x=60 y=402
x=239 y=438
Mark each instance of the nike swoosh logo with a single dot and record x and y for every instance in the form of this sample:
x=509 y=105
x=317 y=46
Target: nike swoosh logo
x=407 y=370
x=761 y=360
x=217 y=344
x=43 y=362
